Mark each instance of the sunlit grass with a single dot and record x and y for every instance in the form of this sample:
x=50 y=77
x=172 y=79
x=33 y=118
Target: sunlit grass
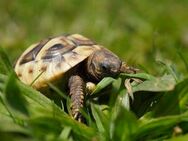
x=157 y=111
x=151 y=35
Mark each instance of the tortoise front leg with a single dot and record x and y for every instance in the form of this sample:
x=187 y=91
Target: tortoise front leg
x=77 y=91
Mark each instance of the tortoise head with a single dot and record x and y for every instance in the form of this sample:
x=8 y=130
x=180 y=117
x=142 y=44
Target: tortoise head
x=103 y=63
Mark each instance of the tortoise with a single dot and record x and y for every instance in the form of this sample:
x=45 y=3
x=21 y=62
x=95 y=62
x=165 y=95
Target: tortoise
x=73 y=57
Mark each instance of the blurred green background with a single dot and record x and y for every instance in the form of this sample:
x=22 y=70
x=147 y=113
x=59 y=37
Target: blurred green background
x=140 y=32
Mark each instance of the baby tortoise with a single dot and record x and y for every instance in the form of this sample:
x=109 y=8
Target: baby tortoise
x=72 y=57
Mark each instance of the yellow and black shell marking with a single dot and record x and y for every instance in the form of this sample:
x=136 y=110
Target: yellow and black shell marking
x=49 y=59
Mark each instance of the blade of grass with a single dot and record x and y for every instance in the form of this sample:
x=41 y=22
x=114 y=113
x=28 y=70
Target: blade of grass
x=145 y=76
x=102 y=84
x=116 y=88
x=183 y=59
x=123 y=125
x=5 y=60
x=65 y=133
x=179 y=138
x=159 y=125
x=123 y=100
x=164 y=83
x=171 y=69
x=98 y=117
x=14 y=97
x=36 y=78
x=39 y=105
x=58 y=91
x=175 y=97
x=182 y=91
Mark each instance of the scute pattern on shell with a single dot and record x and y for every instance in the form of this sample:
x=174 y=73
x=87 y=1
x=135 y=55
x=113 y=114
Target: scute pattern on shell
x=49 y=59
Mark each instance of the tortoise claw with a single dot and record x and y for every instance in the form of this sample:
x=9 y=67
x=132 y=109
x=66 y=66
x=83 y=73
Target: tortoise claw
x=75 y=116
x=128 y=85
x=78 y=116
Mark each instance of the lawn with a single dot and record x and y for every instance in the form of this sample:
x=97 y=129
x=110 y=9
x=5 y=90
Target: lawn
x=150 y=35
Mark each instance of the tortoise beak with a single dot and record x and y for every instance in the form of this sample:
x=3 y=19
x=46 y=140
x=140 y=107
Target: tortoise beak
x=128 y=69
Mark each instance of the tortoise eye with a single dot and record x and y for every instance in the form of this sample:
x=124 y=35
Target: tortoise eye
x=105 y=67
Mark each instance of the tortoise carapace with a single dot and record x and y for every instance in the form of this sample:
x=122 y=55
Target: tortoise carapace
x=51 y=59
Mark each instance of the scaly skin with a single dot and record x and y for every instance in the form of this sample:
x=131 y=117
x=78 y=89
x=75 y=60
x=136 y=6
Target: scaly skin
x=77 y=92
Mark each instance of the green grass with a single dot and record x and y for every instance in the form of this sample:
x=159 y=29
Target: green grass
x=154 y=30
x=151 y=35
x=157 y=109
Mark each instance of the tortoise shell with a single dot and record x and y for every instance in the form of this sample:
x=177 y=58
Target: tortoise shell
x=49 y=59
